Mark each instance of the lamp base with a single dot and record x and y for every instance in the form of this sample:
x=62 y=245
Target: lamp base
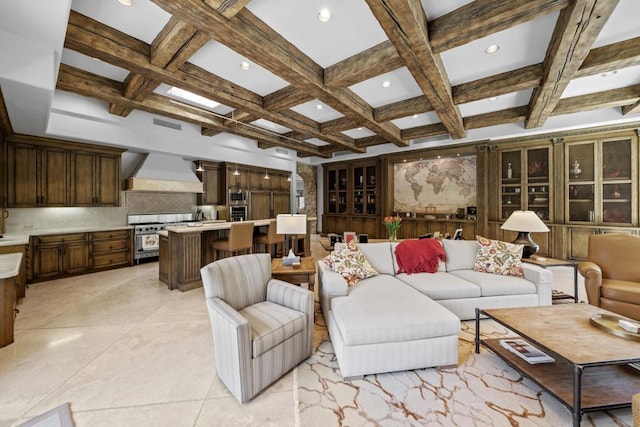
x=530 y=247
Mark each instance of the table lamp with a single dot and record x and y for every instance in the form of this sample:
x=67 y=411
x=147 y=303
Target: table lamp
x=291 y=224
x=525 y=223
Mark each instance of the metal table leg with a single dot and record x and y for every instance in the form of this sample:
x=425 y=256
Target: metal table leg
x=577 y=395
x=575 y=282
x=477 y=330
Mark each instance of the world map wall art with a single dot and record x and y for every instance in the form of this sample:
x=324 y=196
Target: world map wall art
x=435 y=186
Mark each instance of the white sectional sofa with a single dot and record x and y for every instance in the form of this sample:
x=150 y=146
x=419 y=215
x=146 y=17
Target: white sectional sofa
x=392 y=322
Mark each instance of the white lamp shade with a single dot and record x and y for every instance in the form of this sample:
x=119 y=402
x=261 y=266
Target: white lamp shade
x=525 y=221
x=291 y=224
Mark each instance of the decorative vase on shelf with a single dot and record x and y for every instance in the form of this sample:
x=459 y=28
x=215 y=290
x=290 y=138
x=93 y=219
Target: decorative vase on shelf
x=509 y=171
x=575 y=169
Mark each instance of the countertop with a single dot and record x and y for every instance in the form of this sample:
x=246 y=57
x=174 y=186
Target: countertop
x=23 y=239
x=10 y=265
x=207 y=226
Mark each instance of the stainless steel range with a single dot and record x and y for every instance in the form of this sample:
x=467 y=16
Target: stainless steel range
x=146 y=227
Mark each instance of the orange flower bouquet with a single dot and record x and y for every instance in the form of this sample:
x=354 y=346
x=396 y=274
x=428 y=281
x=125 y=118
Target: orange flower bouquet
x=392 y=223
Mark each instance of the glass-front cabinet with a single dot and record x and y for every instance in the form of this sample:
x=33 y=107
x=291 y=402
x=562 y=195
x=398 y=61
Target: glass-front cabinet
x=600 y=185
x=364 y=190
x=337 y=190
x=524 y=181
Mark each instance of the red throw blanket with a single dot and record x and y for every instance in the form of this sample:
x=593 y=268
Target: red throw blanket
x=417 y=256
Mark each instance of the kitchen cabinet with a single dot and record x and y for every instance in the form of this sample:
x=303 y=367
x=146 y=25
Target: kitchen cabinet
x=95 y=179
x=268 y=204
x=59 y=255
x=211 y=183
x=36 y=176
x=43 y=172
x=111 y=249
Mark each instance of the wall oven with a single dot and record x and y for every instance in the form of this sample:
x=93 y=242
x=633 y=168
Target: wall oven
x=238 y=197
x=237 y=213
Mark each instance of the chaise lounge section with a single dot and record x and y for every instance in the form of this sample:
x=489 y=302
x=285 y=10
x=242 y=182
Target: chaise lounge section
x=397 y=321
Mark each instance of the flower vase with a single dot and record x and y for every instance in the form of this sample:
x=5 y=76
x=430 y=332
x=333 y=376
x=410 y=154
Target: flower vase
x=393 y=236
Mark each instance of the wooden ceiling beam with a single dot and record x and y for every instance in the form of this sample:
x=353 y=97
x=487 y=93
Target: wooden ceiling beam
x=576 y=29
x=495 y=118
x=83 y=37
x=285 y=98
x=629 y=109
x=73 y=80
x=408 y=107
x=380 y=59
x=405 y=24
x=227 y=8
x=425 y=131
x=611 y=57
x=594 y=101
x=249 y=36
x=483 y=17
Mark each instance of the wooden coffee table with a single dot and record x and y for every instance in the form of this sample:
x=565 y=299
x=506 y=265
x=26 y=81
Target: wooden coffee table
x=591 y=371
x=306 y=273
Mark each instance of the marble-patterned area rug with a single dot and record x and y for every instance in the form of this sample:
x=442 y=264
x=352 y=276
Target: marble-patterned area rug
x=481 y=391
x=56 y=417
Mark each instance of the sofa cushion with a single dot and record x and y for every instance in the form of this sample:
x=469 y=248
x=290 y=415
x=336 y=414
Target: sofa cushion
x=351 y=263
x=497 y=285
x=383 y=309
x=499 y=257
x=272 y=324
x=461 y=254
x=379 y=256
x=621 y=290
x=442 y=285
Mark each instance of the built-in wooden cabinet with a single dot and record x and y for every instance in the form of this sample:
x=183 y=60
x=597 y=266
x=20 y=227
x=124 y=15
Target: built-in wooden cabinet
x=601 y=182
x=352 y=200
x=211 y=183
x=111 y=249
x=36 y=176
x=525 y=181
x=59 y=255
x=50 y=173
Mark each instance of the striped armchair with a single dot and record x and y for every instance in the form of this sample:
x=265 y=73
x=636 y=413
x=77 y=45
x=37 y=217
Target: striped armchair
x=262 y=327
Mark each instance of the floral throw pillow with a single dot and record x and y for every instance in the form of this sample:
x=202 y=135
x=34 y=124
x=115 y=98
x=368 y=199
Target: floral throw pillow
x=498 y=257
x=351 y=264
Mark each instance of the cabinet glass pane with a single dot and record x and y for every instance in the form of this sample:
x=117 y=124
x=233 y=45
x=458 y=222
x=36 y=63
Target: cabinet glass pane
x=511 y=166
x=616 y=160
x=616 y=212
x=581 y=204
x=538 y=165
x=580 y=160
x=538 y=200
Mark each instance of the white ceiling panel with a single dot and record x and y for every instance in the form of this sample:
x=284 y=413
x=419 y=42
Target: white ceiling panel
x=623 y=24
x=351 y=29
x=93 y=65
x=401 y=86
x=310 y=109
x=358 y=133
x=417 y=120
x=317 y=142
x=436 y=8
x=601 y=82
x=270 y=126
x=509 y=100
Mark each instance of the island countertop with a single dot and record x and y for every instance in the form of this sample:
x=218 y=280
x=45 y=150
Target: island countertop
x=203 y=226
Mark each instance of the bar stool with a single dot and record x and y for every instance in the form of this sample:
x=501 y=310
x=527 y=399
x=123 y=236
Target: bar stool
x=270 y=238
x=240 y=238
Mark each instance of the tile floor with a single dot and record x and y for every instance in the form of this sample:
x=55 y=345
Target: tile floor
x=126 y=351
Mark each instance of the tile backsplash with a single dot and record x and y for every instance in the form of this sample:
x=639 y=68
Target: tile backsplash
x=158 y=202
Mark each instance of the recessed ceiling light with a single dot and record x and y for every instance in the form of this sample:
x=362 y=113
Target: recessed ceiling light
x=492 y=49
x=126 y=2
x=360 y=128
x=324 y=15
x=609 y=73
x=245 y=65
x=386 y=83
x=319 y=106
x=415 y=116
x=405 y=160
x=493 y=98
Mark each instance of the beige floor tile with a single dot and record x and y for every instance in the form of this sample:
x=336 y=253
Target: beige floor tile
x=41 y=361
x=153 y=363
x=266 y=409
x=178 y=414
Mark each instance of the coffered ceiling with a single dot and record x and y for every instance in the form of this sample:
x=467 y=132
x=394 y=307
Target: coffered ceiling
x=394 y=72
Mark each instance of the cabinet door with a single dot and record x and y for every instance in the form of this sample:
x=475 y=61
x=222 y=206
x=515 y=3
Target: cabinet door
x=82 y=187
x=260 y=205
x=107 y=180
x=579 y=242
x=47 y=261
x=211 y=187
x=22 y=183
x=54 y=177
x=511 y=184
x=75 y=257
x=281 y=203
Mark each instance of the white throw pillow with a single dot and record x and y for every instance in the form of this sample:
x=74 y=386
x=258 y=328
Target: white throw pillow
x=461 y=254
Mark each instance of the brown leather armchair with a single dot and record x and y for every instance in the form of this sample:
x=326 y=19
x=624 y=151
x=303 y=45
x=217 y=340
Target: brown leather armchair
x=612 y=273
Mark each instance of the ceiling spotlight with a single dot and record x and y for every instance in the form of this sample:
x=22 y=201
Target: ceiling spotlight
x=266 y=174
x=492 y=49
x=245 y=65
x=324 y=15
x=386 y=83
x=319 y=107
x=415 y=116
x=126 y=2
x=360 y=128
x=200 y=168
x=493 y=98
x=236 y=173
x=608 y=73
x=289 y=178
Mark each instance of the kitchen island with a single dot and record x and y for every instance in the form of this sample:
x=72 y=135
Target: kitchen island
x=186 y=249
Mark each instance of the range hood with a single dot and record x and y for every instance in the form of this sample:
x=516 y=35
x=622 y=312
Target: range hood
x=165 y=173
